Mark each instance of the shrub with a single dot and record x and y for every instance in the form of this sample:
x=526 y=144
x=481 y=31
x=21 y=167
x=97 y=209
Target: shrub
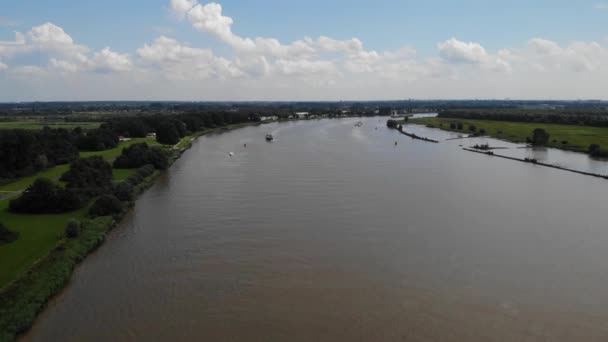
x=134 y=179
x=472 y=128
x=123 y=191
x=72 y=229
x=482 y=131
x=6 y=235
x=106 y=205
x=146 y=170
x=459 y=126
x=565 y=142
x=453 y=125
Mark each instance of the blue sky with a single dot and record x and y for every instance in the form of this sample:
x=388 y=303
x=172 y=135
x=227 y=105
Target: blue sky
x=382 y=25
x=125 y=26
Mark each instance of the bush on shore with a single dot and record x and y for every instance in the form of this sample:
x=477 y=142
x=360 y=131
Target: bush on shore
x=106 y=205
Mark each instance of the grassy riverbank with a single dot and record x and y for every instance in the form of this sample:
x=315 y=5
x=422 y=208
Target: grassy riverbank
x=40 y=262
x=39 y=234
x=568 y=137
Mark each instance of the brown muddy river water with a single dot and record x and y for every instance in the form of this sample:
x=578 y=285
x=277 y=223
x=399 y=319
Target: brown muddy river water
x=333 y=233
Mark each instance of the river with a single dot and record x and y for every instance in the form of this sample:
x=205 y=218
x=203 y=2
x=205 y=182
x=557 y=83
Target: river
x=333 y=233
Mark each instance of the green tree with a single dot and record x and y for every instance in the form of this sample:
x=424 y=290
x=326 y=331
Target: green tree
x=540 y=137
x=46 y=197
x=106 y=205
x=167 y=133
x=90 y=176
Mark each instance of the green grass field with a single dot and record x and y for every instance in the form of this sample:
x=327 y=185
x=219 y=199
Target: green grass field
x=33 y=125
x=39 y=234
x=578 y=137
x=112 y=154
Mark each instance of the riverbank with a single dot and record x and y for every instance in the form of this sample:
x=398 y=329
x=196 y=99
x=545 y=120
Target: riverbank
x=35 y=243
x=565 y=137
x=26 y=296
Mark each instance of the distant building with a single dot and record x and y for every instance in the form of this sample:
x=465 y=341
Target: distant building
x=151 y=135
x=302 y=114
x=266 y=118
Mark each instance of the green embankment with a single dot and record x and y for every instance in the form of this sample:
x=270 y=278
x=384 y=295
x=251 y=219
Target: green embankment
x=34 y=125
x=39 y=234
x=23 y=300
x=578 y=138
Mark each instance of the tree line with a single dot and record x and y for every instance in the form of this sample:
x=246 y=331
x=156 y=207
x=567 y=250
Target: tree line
x=595 y=117
x=25 y=152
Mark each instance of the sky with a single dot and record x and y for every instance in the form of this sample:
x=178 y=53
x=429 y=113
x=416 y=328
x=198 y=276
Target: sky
x=191 y=50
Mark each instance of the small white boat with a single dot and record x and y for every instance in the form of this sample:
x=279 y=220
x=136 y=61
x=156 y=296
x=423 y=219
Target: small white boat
x=269 y=137
x=231 y=154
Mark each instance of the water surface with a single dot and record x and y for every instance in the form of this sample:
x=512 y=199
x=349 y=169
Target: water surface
x=333 y=233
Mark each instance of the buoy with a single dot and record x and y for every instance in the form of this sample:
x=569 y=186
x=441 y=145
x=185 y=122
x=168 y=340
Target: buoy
x=244 y=145
x=231 y=154
x=395 y=143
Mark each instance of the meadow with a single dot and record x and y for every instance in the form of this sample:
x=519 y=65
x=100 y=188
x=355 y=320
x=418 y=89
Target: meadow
x=39 y=234
x=568 y=137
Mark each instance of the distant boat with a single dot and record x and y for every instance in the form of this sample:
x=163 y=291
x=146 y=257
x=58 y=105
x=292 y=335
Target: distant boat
x=269 y=137
x=359 y=124
x=231 y=154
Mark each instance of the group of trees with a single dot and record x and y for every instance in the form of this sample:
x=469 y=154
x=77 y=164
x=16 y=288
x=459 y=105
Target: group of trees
x=456 y=125
x=138 y=155
x=89 y=176
x=25 y=152
x=170 y=128
x=86 y=178
x=46 y=197
x=95 y=140
x=392 y=124
x=571 y=116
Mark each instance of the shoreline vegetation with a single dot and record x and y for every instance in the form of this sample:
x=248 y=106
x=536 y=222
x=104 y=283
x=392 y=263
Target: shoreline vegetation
x=393 y=124
x=565 y=137
x=25 y=296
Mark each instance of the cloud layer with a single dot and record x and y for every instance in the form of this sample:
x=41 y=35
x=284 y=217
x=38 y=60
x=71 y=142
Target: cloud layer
x=321 y=68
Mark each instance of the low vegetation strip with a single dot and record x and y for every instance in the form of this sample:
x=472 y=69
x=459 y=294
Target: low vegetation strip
x=567 y=137
x=396 y=125
x=24 y=299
